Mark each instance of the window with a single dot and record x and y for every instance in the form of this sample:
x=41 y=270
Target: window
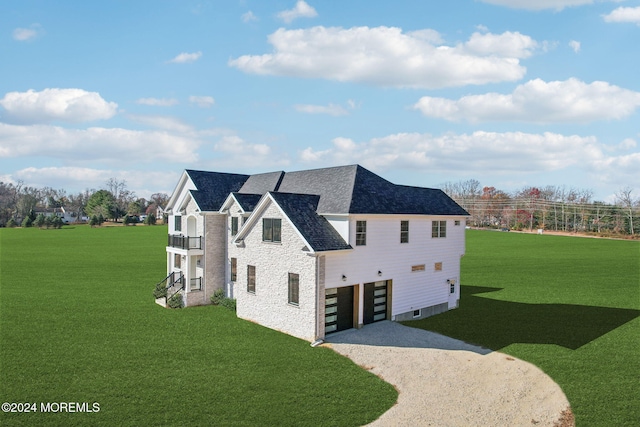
x=361 y=233
x=234 y=269
x=457 y=222
x=294 y=288
x=404 y=231
x=416 y=313
x=438 y=228
x=234 y=225
x=251 y=279
x=419 y=267
x=437 y=266
x=176 y=261
x=271 y=230
x=177 y=226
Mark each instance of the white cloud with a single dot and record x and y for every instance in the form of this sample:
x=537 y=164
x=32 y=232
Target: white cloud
x=26 y=34
x=249 y=17
x=510 y=154
x=538 y=4
x=575 y=45
x=185 y=58
x=168 y=123
x=202 y=101
x=69 y=105
x=301 y=10
x=624 y=14
x=506 y=45
x=232 y=149
x=158 y=102
x=331 y=109
x=114 y=145
x=386 y=56
x=538 y=101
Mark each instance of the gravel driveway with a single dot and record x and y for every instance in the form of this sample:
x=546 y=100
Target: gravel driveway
x=445 y=382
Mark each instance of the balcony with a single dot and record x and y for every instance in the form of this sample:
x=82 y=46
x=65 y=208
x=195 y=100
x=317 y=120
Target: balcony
x=185 y=242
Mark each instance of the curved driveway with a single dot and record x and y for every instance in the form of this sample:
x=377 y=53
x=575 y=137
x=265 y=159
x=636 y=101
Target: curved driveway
x=445 y=382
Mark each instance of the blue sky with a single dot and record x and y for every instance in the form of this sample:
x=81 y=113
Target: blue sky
x=511 y=93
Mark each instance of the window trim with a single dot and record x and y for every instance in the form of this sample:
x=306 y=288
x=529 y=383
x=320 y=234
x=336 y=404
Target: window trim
x=404 y=234
x=251 y=279
x=294 y=289
x=269 y=230
x=361 y=233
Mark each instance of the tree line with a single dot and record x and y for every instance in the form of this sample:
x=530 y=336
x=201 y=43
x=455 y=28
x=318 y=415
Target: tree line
x=556 y=208
x=20 y=203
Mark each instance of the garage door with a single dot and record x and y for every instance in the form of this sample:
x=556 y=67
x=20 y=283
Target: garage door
x=375 y=302
x=338 y=309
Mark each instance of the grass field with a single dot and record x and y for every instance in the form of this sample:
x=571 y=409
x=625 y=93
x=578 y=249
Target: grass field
x=78 y=324
x=569 y=305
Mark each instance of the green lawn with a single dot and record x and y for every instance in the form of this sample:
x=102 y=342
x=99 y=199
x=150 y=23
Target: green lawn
x=78 y=324
x=569 y=305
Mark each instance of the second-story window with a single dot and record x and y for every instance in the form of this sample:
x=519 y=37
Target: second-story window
x=404 y=231
x=361 y=233
x=271 y=230
x=234 y=225
x=177 y=226
x=438 y=228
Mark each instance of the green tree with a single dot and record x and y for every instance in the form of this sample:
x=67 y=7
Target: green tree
x=40 y=221
x=150 y=219
x=101 y=203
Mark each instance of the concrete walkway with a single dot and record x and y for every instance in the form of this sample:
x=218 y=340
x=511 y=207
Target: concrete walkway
x=445 y=382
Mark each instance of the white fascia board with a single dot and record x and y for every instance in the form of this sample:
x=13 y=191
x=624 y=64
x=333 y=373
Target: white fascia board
x=257 y=213
x=229 y=201
x=183 y=182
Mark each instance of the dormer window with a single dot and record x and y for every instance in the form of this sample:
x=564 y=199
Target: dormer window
x=272 y=230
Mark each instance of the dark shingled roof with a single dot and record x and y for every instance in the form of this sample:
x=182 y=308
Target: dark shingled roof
x=301 y=210
x=213 y=188
x=354 y=189
x=247 y=201
x=262 y=183
x=342 y=190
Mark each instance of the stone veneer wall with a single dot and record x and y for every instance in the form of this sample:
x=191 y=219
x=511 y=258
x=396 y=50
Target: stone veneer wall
x=269 y=305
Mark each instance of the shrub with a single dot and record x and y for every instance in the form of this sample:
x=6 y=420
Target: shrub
x=218 y=298
x=175 y=301
x=12 y=223
x=150 y=219
x=56 y=222
x=27 y=222
x=40 y=221
x=229 y=303
x=160 y=291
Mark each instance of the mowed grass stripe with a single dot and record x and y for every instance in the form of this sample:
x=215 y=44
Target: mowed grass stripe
x=78 y=324
x=569 y=305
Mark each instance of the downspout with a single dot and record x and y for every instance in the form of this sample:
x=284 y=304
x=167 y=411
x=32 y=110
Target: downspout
x=317 y=341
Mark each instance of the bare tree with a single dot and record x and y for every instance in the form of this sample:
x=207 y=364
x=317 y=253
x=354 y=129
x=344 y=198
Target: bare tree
x=623 y=196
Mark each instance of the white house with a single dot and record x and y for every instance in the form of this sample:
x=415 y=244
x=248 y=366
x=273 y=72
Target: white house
x=316 y=251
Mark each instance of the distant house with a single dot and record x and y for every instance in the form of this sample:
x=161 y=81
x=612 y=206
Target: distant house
x=67 y=217
x=317 y=251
